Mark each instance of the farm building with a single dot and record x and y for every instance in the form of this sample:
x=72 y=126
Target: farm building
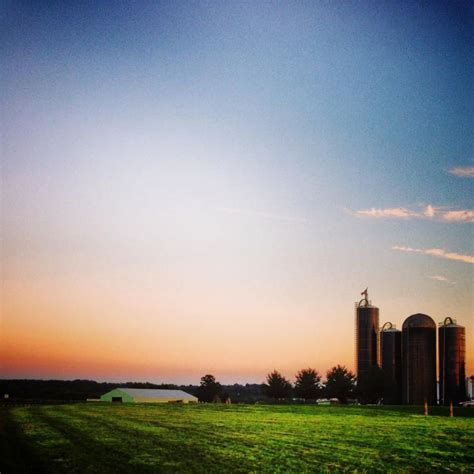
x=146 y=395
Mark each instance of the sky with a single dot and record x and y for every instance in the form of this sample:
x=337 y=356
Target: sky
x=206 y=187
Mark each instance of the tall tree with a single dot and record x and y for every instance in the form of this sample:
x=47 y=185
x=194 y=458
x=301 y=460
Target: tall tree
x=209 y=388
x=308 y=384
x=340 y=383
x=277 y=386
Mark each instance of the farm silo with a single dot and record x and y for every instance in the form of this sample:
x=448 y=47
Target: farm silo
x=419 y=360
x=391 y=358
x=367 y=330
x=452 y=360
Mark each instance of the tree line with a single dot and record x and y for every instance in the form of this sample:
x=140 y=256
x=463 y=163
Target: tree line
x=340 y=383
x=80 y=390
x=308 y=385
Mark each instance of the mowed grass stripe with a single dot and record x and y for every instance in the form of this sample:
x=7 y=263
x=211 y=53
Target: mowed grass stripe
x=286 y=441
x=150 y=446
x=167 y=438
x=132 y=444
x=188 y=442
x=84 y=448
x=356 y=446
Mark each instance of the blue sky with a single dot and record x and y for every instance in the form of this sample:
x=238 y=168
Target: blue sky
x=236 y=161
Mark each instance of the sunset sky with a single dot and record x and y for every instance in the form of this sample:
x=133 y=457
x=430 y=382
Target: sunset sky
x=206 y=187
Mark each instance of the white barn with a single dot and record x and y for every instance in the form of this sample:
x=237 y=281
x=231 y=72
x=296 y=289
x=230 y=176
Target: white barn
x=147 y=395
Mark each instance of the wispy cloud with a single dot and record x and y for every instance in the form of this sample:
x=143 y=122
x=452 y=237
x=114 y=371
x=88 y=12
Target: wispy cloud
x=438 y=277
x=464 y=215
x=463 y=171
x=442 y=279
x=396 y=212
x=429 y=212
x=437 y=253
x=263 y=215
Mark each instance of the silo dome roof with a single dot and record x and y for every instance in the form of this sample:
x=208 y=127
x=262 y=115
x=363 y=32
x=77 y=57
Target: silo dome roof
x=419 y=321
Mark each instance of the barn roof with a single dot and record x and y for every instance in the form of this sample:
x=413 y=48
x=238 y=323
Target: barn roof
x=156 y=393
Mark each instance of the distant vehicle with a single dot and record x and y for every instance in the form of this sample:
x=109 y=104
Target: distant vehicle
x=468 y=404
x=328 y=401
x=322 y=401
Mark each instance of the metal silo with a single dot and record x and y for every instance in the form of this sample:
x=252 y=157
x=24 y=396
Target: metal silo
x=391 y=358
x=452 y=360
x=419 y=360
x=367 y=343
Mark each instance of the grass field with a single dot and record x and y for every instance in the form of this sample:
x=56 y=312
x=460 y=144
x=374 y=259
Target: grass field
x=119 y=438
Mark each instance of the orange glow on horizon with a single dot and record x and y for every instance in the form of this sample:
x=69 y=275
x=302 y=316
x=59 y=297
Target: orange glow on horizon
x=97 y=329
x=101 y=358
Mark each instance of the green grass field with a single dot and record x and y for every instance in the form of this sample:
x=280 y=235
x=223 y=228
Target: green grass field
x=117 y=438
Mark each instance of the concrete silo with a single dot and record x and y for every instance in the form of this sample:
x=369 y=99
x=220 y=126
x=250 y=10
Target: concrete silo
x=419 y=360
x=367 y=342
x=452 y=361
x=391 y=361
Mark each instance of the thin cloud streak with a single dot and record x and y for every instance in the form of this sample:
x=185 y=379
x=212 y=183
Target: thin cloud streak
x=429 y=212
x=464 y=215
x=442 y=279
x=263 y=215
x=463 y=171
x=437 y=253
x=394 y=212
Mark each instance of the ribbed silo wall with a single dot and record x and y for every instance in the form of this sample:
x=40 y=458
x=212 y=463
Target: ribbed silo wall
x=452 y=363
x=367 y=342
x=419 y=363
x=391 y=358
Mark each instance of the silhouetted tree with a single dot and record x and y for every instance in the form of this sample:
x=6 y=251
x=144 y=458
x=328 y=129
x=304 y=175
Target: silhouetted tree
x=340 y=383
x=224 y=396
x=277 y=386
x=372 y=388
x=308 y=384
x=209 y=389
